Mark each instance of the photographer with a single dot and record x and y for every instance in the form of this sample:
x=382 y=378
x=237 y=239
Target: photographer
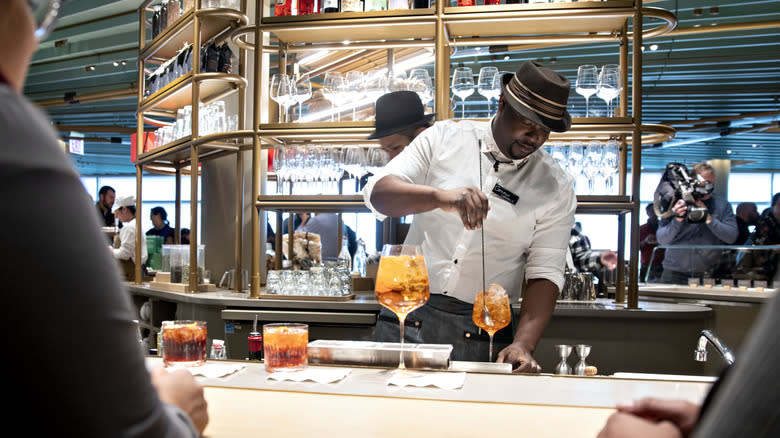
x=718 y=228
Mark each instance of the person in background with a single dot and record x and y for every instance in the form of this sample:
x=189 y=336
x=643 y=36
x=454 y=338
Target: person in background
x=299 y=220
x=647 y=242
x=437 y=178
x=124 y=210
x=161 y=226
x=747 y=215
x=400 y=118
x=587 y=260
x=767 y=232
x=106 y=197
x=326 y=225
x=719 y=228
x=185 y=236
x=86 y=375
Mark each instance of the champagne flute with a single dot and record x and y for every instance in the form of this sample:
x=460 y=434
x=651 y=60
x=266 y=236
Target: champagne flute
x=574 y=165
x=487 y=85
x=497 y=302
x=609 y=85
x=609 y=164
x=280 y=83
x=463 y=86
x=402 y=284
x=587 y=83
x=302 y=91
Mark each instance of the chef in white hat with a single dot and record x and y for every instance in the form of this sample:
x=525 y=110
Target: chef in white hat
x=124 y=210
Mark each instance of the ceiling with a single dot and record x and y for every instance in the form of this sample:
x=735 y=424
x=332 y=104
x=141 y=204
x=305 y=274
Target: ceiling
x=719 y=66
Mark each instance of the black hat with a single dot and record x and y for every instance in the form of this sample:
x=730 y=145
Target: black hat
x=398 y=111
x=538 y=94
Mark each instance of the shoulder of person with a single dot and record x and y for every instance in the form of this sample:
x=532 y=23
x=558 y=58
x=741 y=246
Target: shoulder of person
x=546 y=169
x=29 y=141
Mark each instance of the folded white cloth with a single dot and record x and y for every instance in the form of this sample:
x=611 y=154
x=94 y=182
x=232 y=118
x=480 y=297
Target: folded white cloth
x=314 y=374
x=439 y=380
x=213 y=369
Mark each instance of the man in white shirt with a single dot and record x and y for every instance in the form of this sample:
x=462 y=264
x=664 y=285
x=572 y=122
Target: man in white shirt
x=124 y=210
x=526 y=203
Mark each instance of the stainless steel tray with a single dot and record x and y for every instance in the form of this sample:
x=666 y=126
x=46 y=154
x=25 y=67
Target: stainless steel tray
x=380 y=354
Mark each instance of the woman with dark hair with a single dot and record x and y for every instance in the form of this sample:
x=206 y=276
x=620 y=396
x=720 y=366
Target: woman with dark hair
x=161 y=227
x=124 y=210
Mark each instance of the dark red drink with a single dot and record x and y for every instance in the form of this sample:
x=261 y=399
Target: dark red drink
x=184 y=343
x=255 y=346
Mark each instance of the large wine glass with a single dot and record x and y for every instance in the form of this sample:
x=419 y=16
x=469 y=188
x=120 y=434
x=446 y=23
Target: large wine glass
x=356 y=88
x=559 y=153
x=587 y=83
x=376 y=84
x=420 y=83
x=488 y=86
x=463 y=86
x=500 y=313
x=402 y=284
x=302 y=91
x=609 y=86
x=332 y=85
x=574 y=166
x=280 y=92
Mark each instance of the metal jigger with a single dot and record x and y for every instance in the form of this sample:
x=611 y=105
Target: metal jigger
x=563 y=352
x=582 y=351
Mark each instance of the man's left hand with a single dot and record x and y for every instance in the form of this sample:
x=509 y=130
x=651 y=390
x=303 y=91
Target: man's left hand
x=609 y=259
x=521 y=359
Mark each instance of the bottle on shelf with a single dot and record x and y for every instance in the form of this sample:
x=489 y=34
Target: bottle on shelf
x=397 y=4
x=512 y=2
x=375 y=5
x=421 y=4
x=351 y=6
x=307 y=7
x=359 y=264
x=343 y=257
x=331 y=6
x=467 y=3
x=492 y=2
x=283 y=8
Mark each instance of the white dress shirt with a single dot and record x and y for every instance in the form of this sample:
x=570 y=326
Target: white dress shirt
x=528 y=237
x=127 y=249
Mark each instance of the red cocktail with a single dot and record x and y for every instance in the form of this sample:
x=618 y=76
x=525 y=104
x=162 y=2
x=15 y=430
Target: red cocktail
x=184 y=343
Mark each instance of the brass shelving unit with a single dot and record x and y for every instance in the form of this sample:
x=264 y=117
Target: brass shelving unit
x=443 y=28
x=197 y=26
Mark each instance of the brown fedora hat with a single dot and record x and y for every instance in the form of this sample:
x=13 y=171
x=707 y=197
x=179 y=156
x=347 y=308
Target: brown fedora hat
x=398 y=111
x=538 y=94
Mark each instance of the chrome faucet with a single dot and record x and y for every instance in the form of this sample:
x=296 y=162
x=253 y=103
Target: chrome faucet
x=701 y=347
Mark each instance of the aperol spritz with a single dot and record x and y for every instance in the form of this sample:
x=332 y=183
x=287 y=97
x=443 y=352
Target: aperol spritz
x=402 y=283
x=499 y=312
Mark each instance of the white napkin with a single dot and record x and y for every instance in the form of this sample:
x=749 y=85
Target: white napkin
x=213 y=369
x=439 y=380
x=314 y=374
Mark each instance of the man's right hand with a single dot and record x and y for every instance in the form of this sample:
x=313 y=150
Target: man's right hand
x=679 y=210
x=469 y=202
x=180 y=389
x=683 y=414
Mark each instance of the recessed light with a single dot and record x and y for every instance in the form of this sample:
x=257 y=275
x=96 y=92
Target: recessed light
x=728 y=151
x=755 y=145
x=116 y=63
x=507 y=57
x=643 y=48
x=89 y=68
x=713 y=24
x=346 y=42
x=654 y=47
x=123 y=62
x=697 y=25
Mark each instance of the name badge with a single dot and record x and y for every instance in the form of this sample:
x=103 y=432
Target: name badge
x=505 y=194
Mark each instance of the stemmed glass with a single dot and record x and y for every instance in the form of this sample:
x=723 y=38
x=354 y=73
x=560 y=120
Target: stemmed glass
x=488 y=86
x=587 y=83
x=281 y=93
x=558 y=153
x=463 y=86
x=609 y=164
x=331 y=90
x=609 y=85
x=376 y=84
x=396 y=80
x=497 y=302
x=377 y=158
x=356 y=88
x=302 y=91
x=420 y=83
x=402 y=284
x=575 y=161
x=592 y=164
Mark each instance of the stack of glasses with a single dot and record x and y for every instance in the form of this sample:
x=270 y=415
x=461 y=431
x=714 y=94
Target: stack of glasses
x=212 y=120
x=333 y=280
x=595 y=163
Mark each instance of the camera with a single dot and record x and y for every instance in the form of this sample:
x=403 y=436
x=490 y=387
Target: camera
x=678 y=183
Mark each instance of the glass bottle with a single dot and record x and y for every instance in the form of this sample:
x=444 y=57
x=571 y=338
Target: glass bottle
x=397 y=4
x=331 y=6
x=164 y=16
x=360 y=258
x=283 y=8
x=351 y=6
x=421 y=4
x=376 y=5
x=306 y=7
x=343 y=257
x=467 y=3
x=492 y=2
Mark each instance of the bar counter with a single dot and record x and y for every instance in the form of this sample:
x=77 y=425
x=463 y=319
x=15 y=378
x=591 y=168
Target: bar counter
x=247 y=404
x=656 y=338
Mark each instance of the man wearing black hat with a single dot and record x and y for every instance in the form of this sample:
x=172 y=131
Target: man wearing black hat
x=400 y=117
x=458 y=176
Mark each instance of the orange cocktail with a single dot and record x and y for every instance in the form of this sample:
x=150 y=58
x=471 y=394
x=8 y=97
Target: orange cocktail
x=285 y=346
x=402 y=283
x=499 y=312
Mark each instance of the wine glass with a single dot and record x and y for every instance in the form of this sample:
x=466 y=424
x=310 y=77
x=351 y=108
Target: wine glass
x=488 y=86
x=574 y=166
x=463 y=86
x=396 y=80
x=356 y=88
x=332 y=85
x=609 y=164
x=280 y=93
x=592 y=164
x=376 y=84
x=609 y=85
x=402 y=284
x=302 y=91
x=558 y=153
x=587 y=83
x=497 y=302
x=420 y=83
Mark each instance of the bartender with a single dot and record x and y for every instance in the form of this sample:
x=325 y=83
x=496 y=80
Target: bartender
x=526 y=204
x=124 y=210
